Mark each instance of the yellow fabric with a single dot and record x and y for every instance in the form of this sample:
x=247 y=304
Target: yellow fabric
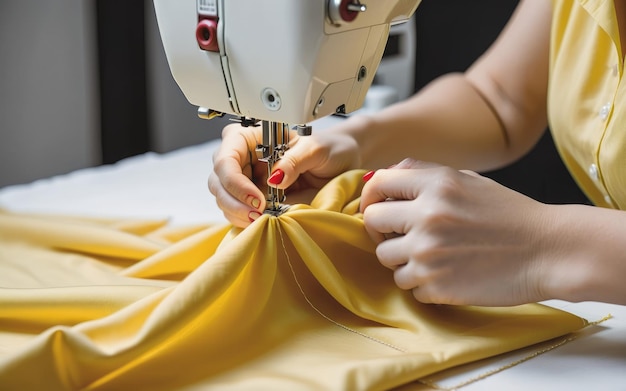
x=587 y=97
x=290 y=303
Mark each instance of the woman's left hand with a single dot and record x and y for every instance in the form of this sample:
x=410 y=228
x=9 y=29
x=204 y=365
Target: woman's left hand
x=455 y=237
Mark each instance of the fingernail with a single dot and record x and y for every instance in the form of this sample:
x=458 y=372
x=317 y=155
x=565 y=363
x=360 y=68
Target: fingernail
x=255 y=202
x=368 y=176
x=253 y=215
x=276 y=177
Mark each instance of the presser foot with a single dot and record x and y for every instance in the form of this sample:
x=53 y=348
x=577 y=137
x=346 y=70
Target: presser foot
x=277 y=211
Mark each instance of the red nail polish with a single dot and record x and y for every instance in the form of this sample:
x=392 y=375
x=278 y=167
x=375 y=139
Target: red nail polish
x=368 y=176
x=252 y=200
x=253 y=215
x=277 y=177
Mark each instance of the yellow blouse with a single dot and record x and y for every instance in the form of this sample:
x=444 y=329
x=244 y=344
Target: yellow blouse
x=587 y=98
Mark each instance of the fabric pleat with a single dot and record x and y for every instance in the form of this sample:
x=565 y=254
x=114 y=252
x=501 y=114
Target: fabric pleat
x=294 y=302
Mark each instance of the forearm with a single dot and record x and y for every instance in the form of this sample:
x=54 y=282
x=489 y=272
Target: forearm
x=586 y=256
x=448 y=122
x=480 y=120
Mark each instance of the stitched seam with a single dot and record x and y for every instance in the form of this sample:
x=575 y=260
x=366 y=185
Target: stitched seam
x=512 y=364
x=347 y=328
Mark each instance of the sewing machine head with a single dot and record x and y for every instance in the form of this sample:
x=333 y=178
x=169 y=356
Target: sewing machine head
x=282 y=62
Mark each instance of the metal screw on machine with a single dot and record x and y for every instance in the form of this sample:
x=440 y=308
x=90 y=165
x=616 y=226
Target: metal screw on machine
x=362 y=73
x=303 y=130
x=344 y=11
x=356 y=7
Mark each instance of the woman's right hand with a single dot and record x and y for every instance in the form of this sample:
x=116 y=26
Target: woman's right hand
x=239 y=181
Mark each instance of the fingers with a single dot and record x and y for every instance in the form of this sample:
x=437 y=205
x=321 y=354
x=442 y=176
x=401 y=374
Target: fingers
x=411 y=271
x=387 y=224
x=389 y=204
x=385 y=197
x=233 y=167
x=239 y=213
x=390 y=184
x=394 y=255
x=454 y=224
x=390 y=252
x=228 y=175
x=385 y=220
x=320 y=156
x=238 y=175
x=406 y=184
x=299 y=158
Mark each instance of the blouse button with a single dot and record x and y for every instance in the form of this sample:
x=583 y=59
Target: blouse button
x=593 y=172
x=607 y=199
x=604 y=111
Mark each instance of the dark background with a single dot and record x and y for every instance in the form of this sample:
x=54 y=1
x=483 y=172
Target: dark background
x=451 y=34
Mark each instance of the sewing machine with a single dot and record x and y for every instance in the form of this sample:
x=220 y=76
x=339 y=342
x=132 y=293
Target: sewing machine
x=283 y=63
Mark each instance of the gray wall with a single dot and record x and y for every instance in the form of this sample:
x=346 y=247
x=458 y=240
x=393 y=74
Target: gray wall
x=48 y=105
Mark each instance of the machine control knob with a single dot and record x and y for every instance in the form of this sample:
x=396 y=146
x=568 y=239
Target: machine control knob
x=206 y=35
x=344 y=11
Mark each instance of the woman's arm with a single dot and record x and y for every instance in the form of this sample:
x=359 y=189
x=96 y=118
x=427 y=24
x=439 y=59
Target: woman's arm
x=482 y=119
x=586 y=257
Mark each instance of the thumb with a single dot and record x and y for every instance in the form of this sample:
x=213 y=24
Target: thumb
x=300 y=158
x=405 y=181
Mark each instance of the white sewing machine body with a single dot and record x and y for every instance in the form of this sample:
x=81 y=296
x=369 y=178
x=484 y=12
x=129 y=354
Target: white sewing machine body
x=289 y=61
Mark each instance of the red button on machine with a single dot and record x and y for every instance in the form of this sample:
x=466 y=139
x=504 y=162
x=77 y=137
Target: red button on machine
x=206 y=35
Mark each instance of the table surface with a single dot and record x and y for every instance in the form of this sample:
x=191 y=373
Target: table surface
x=174 y=185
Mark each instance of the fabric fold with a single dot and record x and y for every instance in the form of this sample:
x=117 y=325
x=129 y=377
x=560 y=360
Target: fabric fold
x=297 y=301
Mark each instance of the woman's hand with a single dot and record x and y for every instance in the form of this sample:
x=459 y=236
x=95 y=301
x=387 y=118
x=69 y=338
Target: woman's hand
x=455 y=237
x=239 y=181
